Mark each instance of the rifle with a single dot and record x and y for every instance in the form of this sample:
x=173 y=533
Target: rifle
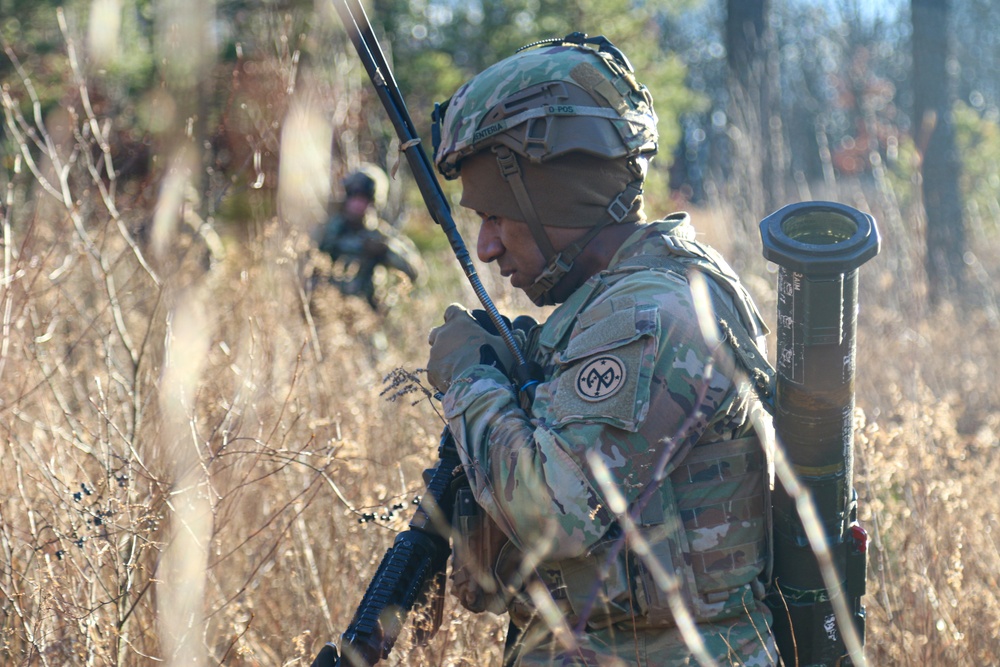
x=412 y=571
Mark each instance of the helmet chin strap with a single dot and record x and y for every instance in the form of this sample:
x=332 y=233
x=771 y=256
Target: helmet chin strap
x=558 y=264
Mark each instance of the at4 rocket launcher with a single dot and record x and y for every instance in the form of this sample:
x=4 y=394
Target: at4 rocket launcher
x=819 y=618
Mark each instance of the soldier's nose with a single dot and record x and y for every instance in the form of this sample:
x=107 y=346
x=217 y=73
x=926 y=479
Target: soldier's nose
x=488 y=245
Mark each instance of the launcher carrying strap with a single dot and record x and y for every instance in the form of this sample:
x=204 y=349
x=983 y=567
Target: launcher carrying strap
x=732 y=328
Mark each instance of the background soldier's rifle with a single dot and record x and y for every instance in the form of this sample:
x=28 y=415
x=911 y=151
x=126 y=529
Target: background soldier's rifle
x=413 y=569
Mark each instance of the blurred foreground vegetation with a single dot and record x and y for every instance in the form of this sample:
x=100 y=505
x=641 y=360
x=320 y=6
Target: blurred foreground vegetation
x=192 y=436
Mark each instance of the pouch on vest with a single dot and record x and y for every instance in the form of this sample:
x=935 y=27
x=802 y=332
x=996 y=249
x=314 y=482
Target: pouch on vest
x=595 y=585
x=712 y=536
x=477 y=542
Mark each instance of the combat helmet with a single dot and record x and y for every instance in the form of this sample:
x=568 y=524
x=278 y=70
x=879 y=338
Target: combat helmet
x=551 y=101
x=368 y=181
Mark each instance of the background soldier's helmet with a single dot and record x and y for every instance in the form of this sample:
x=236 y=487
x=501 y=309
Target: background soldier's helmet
x=368 y=181
x=545 y=102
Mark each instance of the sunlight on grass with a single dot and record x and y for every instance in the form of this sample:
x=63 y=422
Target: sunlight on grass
x=200 y=466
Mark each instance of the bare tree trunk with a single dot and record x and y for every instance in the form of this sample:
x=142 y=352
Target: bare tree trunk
x=935 y=136
x=753 y=75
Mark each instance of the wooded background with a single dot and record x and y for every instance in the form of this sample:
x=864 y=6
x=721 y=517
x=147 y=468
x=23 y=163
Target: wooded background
x=761 y=102
x=199 y=463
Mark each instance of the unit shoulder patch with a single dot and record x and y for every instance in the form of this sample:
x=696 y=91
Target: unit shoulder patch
x=600 y=378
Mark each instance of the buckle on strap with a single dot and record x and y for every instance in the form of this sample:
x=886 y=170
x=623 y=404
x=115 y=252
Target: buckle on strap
x=508 y=164
x=553 y=273
x=620 y=206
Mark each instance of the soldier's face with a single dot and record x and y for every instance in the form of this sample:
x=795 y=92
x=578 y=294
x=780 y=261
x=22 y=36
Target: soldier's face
x=510 y=244
x=355 y=206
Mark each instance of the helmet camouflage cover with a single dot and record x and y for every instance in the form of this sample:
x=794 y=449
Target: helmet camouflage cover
x=549 y=101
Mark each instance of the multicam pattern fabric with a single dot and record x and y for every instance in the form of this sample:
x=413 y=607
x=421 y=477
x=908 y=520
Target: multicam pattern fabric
x=745 y=642
x=617 y=97
x=658 y=447
x=364 y=246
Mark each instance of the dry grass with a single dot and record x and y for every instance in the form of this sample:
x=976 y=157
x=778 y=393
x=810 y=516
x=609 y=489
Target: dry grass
x=187 y=451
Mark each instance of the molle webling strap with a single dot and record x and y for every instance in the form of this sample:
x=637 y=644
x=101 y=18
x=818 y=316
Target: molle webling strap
x=538 y=291
x=622 y=205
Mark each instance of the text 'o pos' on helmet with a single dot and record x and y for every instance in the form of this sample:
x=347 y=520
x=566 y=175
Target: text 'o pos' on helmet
x=560 y=97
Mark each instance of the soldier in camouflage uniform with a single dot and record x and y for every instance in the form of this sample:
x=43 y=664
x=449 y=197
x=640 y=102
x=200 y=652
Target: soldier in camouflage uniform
x=359 y=241
x=623 y=518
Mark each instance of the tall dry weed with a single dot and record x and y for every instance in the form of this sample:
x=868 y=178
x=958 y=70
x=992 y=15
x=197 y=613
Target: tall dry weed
x=199 y=464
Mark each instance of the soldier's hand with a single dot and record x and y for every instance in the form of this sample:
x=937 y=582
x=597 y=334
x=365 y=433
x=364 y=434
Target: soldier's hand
x=520 y=327
x=460 y=343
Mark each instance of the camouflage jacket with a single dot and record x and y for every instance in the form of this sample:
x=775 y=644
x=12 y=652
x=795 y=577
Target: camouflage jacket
x=636 y=421
x=338 y=238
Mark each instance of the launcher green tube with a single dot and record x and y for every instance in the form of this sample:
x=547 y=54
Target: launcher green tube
x=818 y=247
